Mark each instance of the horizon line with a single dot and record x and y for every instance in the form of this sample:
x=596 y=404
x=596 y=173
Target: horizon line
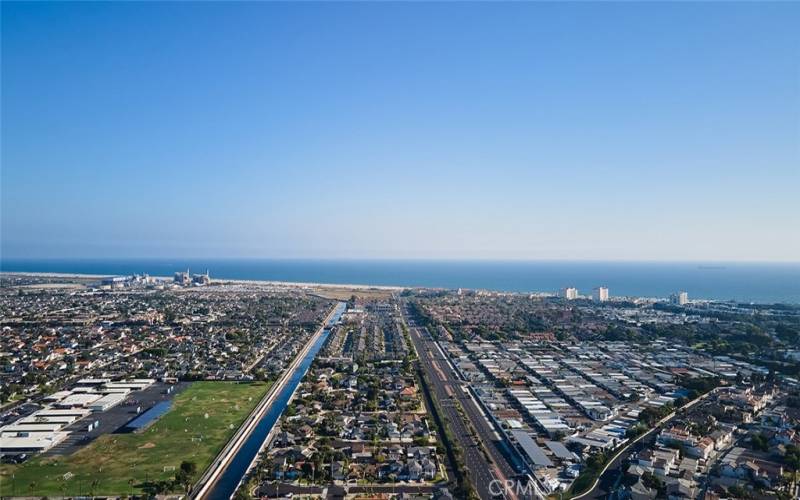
x=401 y=259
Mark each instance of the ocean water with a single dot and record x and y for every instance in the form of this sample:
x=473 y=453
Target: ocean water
x=748 y=282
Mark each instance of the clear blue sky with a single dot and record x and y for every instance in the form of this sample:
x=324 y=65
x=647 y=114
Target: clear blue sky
x=629 y=131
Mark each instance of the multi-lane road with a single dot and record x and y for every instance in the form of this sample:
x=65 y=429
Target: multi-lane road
x=451 y=393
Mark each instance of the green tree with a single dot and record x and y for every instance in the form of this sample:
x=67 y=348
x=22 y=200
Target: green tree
x=759 y=442
x=186 y=474
x=792 y=460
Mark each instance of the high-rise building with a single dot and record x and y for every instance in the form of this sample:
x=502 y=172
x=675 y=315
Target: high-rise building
x=600 y=294
x=679 y=299
x=569 y=293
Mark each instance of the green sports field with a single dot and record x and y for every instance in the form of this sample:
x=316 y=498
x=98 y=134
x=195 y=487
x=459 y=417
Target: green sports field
x=119 y=464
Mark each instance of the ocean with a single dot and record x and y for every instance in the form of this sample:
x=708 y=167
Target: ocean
x=747 y=282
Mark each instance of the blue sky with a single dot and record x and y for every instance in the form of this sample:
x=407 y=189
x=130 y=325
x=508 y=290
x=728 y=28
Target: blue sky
x=620 y=131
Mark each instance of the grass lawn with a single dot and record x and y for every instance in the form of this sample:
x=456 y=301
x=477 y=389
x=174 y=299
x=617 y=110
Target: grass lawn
x=117 y=464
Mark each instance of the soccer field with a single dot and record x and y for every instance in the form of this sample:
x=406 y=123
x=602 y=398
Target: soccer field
x=202 y=419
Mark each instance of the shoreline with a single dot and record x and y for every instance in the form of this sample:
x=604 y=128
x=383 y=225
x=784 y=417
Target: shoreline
x=299 y=284
x=319 y=286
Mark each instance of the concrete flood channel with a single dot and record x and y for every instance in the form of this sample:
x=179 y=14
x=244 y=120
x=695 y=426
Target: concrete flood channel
x=229 y=480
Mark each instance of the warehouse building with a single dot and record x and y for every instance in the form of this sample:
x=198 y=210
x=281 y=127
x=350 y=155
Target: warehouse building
x=77 y=400
x=23 y=442
x=107 y=401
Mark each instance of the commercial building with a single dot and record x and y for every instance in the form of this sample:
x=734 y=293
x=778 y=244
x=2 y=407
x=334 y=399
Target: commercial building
x=680 y=298
x=569 y=293
x=600 y=294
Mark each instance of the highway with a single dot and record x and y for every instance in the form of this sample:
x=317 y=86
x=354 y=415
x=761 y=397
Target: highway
x=450 y=392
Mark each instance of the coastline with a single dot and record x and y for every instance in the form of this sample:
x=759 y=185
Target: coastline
x=743 y=283
x=293 y=284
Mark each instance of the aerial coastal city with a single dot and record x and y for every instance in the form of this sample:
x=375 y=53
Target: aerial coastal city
x=399 y=250
x=189 y=386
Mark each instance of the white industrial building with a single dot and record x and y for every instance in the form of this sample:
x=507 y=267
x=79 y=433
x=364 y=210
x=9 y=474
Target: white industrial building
x=79 y=400
x=136 y=384
x=93 y=381
x=38 y=418
x=107 y=401
x=17 y=427
x=38 y=431
x=23 y=442
x=54 y=412
x=43 y=429
x=56 y=396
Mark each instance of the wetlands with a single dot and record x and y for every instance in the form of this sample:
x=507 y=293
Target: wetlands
x=747 y=282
